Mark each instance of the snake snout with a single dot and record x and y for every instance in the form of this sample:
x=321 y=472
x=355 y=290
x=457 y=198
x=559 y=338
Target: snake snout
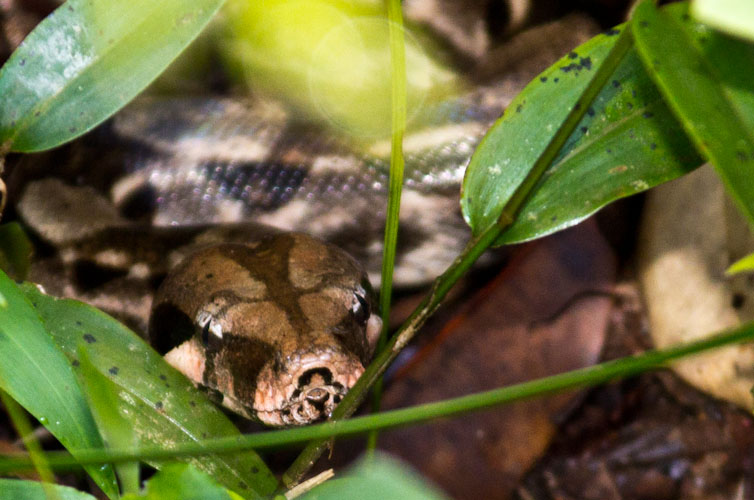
x=322 y=374
x=307 y=389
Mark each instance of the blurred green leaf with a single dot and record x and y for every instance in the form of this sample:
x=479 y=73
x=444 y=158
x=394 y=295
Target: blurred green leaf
x=330 y=58
x=377 y=477
x=627 y=142
x=39 y=377
x=17 y=489
x=181 y=482
x=112 y=421
x=735 y=17
x=743 y=265
x=87 y=60
x=163 y=407
x=15 y=250
x=707 y=80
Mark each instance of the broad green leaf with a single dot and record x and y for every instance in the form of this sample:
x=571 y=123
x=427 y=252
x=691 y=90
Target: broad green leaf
x=744 y=265
x=164 y=408
x=377 y=478
x=731 y=16
x=707 y=80
x=17 y=489
x=627 y=142
x=182 y=482
x=40 y=378
x=15 y=250
x=112 y=420
x=87 y=60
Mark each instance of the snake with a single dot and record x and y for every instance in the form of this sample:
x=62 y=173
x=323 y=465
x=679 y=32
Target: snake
x=263 y=233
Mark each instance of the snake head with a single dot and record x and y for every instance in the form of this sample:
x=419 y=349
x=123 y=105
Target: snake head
x=277 y=331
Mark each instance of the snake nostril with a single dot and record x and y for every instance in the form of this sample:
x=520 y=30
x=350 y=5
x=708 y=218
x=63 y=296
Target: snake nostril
x=306 y=378
x=317 y=396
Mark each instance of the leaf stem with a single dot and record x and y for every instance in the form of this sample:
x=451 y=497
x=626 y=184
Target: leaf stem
x=398 y=82
x=463 y=262
x=584 y=377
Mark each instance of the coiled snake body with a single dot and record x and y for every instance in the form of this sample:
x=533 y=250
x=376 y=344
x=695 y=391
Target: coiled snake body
x=277 y=325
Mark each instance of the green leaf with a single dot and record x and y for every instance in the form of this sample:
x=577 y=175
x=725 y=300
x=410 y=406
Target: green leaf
x=16 y=489
x=181 y=482
x=376 y=478
x=707 y=80
x=163 y=407
x=744 y=265
x=330 y=58
x=39 y=377
x=627 y=142
x=112 y=421
x=15 y=250
x=88 y=59
x=731 y=16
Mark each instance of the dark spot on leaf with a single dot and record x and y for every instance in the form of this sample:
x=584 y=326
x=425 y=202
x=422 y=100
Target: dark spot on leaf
x=584 y=130
x=577 y=106
x=204 y=435
x=163 y=377
x=519 y=108
x=89 y=338
x=192 y=403
x=75 y=363
x=643 y=24
x=23 y=62
x=586 y=62
x=113 y=370
x=653 y=146
x=556 y=80
x=612 y=32
x=167 y=385
x=616 y=84
x=255 y=470
x=543 y=79
x=609 y=151
x=243 y=485
x=590 y=111
x=647 y=114
x=78 y=323
x=553 y=218
x=741 y=155
x=629 y=105
x=570 y=67
x=158 y=405
x=572 y=55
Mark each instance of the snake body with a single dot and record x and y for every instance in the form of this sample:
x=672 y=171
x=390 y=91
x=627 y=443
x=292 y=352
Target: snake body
x=276 y=325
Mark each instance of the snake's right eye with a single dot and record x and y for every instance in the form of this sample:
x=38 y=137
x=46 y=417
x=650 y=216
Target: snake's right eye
x=360 y=308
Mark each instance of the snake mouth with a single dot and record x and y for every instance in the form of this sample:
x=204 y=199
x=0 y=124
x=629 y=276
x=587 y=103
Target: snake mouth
x=307 y=394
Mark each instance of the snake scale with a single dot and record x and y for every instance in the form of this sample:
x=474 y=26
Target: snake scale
x=275 y=323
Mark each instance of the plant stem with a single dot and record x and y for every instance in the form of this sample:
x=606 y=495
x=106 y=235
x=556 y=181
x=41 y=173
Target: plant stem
x=398 y=81
x=584 y=377
x=36 y=454
x=463 y=262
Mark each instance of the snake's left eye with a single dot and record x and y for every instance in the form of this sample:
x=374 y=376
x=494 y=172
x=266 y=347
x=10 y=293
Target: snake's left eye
x=360 y=307
x=211 y=329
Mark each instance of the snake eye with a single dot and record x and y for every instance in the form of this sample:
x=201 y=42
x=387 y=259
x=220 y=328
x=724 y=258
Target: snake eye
x=360 y=307
x=211 y=329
